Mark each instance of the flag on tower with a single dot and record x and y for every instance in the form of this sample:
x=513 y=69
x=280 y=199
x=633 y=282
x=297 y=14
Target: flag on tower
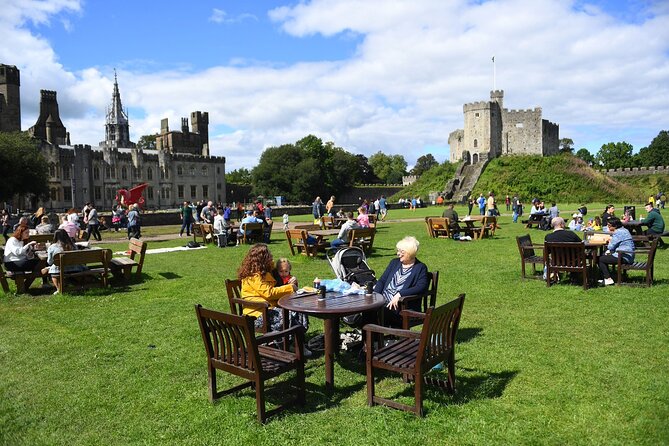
x=493 y=59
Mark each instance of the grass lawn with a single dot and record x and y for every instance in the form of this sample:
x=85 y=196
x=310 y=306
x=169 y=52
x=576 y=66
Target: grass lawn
x=535 y=365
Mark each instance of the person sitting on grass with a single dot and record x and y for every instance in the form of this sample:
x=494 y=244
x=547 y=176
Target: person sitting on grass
x=621 y=240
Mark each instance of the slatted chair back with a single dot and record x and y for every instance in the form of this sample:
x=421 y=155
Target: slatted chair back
x=40 y=238
x=237 y=303
x=565 y=257
x=362 y=238
x=428 y=226
x=200 y=230
x=231 y=346
x=253 y=232
x=427 y=300
x=297 y=241
x=327 y=222
x=528 y=254
x=137 y=250
x=440 y=227
x=414 y=354
x=637 y=265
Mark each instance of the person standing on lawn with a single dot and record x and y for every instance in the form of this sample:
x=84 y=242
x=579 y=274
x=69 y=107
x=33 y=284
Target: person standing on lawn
x=134 y=228
x=186 y=215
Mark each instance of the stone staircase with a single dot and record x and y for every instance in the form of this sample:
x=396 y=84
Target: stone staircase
x=460 y=187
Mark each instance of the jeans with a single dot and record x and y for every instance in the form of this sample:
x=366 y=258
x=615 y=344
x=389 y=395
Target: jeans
x=93 y=230
x=134 y=232
x=187 y=225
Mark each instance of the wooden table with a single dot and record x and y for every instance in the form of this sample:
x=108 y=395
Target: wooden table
x=634 y=226
x=330 y=310
x=324 y=232
x=470 y=223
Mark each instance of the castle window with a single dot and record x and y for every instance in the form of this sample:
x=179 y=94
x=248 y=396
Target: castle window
x=124 y=173
x=205 y=171
x=477 y=115
x=519 y=125
x=52 y=170
x=96 y=173
x=97 y=191
x=193 y=191
x=67 y=193
x=167 y=173
x=162 y=174
x=150 y=192
x=113 y=172
x=192 y=171
x=476 y=143
x=110 y=193
x=149 y=174
x=66 y=173
x=218 y=170
x=107 y=172
x=53 y=193
x=180 y=191
x=180 y=170
x=205 y=191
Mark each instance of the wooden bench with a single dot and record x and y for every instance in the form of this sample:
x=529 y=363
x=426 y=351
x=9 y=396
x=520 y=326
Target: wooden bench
x=362 y=238
x=297 y=241
x=97 y=261
x=204 y=231
x=250 y=232
x=23 y=279
x=487 y=228
x=440 y=227
x=122 y=266
x=533 y=220
x=40 y=238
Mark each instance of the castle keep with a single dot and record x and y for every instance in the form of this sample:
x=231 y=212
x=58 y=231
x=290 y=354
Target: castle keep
x=179 y=169
x=492 y=130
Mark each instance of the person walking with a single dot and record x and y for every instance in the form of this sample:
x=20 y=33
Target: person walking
x=134 y=228
x=186 y=215
x=92 y=223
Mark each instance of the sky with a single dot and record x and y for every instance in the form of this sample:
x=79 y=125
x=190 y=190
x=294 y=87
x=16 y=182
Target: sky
x=369 y=75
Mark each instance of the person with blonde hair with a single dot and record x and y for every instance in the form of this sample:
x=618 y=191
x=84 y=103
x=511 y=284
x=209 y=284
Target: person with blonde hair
x=404 y=276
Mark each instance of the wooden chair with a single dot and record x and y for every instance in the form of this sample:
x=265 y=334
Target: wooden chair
x=647 y=267
x=428 y=226
x=237 y=304
x=487 y=228
x=415 y=353
x=372 y=220
x=96 y=260
x=528 y=255
x=327 y=222
x=297 y=241
x=41 y=238
x=231 y=346
x=122 y=266
x=362 y=238
x=3 y=279
x=427 y=300
x=565 y=257
x=201 y=230
x=440 y=227
x=252 y=232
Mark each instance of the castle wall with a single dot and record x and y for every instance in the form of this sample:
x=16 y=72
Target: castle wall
x=636 y=171
x=522 y=132
x=455 y=142
x=477 y=129
x=550 y=138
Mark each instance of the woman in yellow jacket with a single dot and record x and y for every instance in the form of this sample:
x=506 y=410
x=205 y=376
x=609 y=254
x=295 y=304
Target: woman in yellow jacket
x=258 y=285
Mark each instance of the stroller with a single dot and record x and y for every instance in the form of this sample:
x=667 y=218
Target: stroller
x=350 y=265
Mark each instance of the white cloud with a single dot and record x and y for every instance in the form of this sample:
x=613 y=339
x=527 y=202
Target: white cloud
x=402 y=91
x=220 y=16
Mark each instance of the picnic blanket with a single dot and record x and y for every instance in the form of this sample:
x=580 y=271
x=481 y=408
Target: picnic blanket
x=163 y=250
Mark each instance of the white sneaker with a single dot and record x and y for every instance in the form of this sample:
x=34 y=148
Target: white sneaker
x=608 y=282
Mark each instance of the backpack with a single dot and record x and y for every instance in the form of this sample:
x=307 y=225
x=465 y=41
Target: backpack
x=193 y=244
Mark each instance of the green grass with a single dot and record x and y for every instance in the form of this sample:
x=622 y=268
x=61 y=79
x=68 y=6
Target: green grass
x=535 y=365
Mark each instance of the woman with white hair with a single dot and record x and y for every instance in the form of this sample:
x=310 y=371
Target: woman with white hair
x=404 y=276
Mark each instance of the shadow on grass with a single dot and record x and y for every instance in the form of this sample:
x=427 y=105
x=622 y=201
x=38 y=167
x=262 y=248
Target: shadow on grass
x=168 y=275
x=467 y=334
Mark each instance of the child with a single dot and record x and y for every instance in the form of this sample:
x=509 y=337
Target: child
x=282 y=276
x=285 y=222
x=363 y=218
x=61 y=242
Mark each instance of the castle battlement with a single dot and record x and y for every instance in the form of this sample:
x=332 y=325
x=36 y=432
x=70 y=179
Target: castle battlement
x=482 y=105
x=523 y=111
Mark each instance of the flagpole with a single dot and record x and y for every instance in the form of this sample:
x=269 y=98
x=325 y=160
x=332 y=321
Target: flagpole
x=494 y=74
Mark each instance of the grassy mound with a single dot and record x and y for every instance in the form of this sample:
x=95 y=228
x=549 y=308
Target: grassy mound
x=434 y=180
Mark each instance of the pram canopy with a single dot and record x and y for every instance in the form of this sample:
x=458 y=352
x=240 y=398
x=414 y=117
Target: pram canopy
x=350 y=265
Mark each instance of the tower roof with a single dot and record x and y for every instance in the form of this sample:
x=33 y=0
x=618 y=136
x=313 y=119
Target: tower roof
x=115 y=113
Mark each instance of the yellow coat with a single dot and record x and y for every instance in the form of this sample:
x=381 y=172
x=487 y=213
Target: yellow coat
x=258 y=288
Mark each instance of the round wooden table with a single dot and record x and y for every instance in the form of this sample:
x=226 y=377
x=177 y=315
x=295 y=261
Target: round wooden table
x=334 y=306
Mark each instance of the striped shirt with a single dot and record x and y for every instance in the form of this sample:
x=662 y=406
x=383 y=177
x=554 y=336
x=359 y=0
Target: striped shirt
x=396 y=283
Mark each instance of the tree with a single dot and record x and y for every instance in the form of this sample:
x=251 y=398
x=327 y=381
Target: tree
x=566 y=145
x=147 y=142
x=304 y=170
x=615 y=155
x=390 y=169
x=423 y=164
x=23 y=168
x=239 y=176
x=586 y=156
x=657 y=153
x=365 y=173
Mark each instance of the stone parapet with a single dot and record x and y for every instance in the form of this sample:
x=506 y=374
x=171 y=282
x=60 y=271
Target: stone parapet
x=636 y=171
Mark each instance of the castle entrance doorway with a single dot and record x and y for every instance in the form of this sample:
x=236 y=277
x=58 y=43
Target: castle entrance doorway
x=475 y=158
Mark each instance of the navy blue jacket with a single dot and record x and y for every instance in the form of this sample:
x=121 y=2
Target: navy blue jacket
x=416 y=283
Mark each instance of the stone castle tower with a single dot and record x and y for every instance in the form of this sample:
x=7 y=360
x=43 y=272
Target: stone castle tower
x=49 y=127
x=492 y=130
x=117 y=127
x=10 y=99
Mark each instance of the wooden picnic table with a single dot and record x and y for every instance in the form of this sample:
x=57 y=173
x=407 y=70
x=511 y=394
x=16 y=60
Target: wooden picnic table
x=334 y=306
x=323 y=233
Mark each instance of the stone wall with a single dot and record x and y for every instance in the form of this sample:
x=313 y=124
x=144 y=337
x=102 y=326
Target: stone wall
x=353 y=195
x=634 y=171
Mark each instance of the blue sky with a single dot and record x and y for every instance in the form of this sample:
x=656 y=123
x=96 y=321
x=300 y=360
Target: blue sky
x=369 y=75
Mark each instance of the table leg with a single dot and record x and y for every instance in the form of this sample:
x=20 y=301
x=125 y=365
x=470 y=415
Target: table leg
x=331 y=329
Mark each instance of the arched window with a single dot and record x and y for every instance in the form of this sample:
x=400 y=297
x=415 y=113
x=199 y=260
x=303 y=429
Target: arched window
x=180 y=170
x=149 y=173
x=107 y=172
x=476 y=143
x=124 y=173
x=113 y=172
x=96 y=173
x=52 y=170
x=192 y=171
x=162 y=174
x=205 y=171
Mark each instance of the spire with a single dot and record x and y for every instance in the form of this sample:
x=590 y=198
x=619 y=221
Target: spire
x=117 y=129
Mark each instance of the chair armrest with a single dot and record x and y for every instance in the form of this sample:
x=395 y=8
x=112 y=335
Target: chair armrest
x=411 y=313
x=373 y=328
x=274 y=335
x=251 y=304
